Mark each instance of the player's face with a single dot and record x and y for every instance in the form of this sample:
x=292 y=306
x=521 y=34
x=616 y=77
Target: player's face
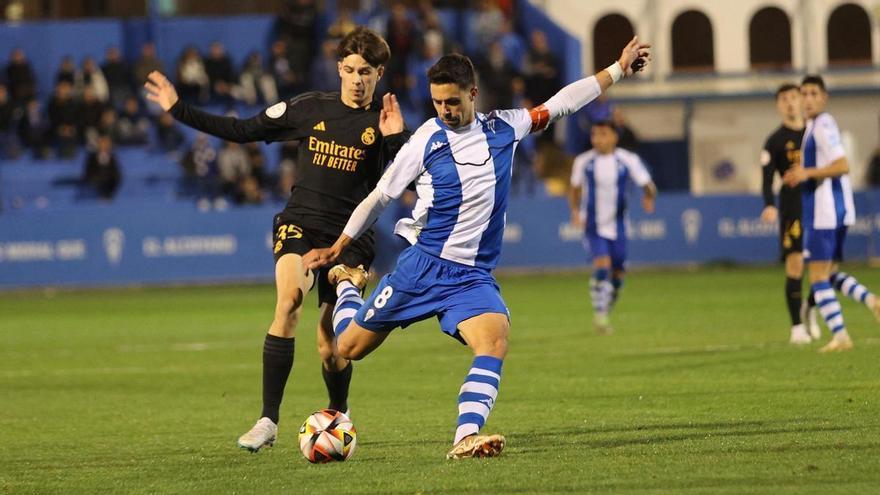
x=789 y=104
x=814 y=99
x=603 y=138
x=454 y=104
x=359 y=80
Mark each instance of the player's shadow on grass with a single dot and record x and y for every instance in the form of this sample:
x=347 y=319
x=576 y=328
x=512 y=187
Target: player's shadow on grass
x=547 y=440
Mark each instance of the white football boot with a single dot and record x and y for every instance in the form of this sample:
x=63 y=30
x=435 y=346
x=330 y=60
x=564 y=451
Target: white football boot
x=602 y=324
x=838 y=343
x=262 y=434
x=799 y=335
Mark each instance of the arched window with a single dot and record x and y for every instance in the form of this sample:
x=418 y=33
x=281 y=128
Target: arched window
x=770 y=39
x=693 y=48
x=611 y=32
x=849 y=36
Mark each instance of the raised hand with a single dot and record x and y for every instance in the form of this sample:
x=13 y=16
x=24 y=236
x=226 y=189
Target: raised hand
x=160 y=90
x=635 y=56
x=319 y=257
x=390 y=118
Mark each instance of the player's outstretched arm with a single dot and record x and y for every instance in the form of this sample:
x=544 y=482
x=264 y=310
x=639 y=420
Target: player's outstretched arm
x=161 y=91
x=634 y=58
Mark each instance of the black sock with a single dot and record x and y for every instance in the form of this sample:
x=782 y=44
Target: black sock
x=277 y=363
x=793 y=299
x=337 y=386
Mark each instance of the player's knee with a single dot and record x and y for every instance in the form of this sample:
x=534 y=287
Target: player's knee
x=325 y=350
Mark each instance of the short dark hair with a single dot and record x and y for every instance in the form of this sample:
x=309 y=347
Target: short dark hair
x=453 y=69
x=366 y=43
x=604 y=123
x=814 y=79
x=785 y=88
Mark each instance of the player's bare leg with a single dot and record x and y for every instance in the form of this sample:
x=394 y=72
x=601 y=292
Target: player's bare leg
x=601 y=293
x=829 y=307
x=292 y=282
x=487 y=336
x=808 y=329
x=335 y=369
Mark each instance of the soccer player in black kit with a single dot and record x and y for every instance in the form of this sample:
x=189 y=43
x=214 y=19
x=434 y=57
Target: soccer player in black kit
x=781 y=151
x=346 y=140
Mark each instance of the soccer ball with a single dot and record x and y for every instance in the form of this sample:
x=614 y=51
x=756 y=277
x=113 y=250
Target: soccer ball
x=327 y=436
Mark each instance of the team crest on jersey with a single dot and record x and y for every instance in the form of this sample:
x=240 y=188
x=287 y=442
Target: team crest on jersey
x=276 y=110
x=369 y=136
x=789 y=145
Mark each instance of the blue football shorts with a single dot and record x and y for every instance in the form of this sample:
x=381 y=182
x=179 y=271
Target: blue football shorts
x=423 y=285
x=598 y=246
x=824 y=244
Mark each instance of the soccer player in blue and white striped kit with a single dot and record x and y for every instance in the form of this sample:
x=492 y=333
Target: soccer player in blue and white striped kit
x=597 y=198
x=828 y=210
x=461 y=165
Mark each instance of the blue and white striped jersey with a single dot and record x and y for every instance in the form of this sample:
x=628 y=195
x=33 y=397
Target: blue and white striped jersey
x=462 y=180
x=828 y=203
x=602 y=179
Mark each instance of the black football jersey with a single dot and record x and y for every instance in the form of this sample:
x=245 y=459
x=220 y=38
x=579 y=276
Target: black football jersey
x=781 y=151
x=341 y=153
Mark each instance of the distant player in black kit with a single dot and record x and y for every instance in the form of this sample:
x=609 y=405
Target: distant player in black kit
x=781 y=151
x=346 y=140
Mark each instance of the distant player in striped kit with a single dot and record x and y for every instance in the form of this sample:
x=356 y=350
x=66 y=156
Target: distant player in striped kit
x=597 y=198
x=828 y=210
x=461 y=163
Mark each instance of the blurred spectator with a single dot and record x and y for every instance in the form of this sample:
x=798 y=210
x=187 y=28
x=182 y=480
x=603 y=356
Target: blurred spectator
x=118 y=77
x=513 y=45
x=401 y=36
x=524 y=158
x=192 y=79
x=67 y=71
x=35 y=130
x=282 y=71
x=626 y=138
x=542 y=70
x=10 y=147
x=296 y=28
x=198 y=177
x=249 y=192
x=232 y=166
x=90 y=115
x=256 y=84
x=873 y=176
x=146 y=64
x=221 y=75
x=419 y=87
x=20 y=78
x=342 y=25
x=91 y=77
x=325 y=73
x=64 y=119
x=257 y=162
x=132 y=126
x=169 y=137
x=101 y=172
x=496 y=76
x=106 y=125
x=486 y=24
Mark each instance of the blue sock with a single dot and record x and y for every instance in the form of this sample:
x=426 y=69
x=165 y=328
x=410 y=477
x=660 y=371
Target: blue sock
x=348 y=302
x=477 y=396
x=601 y=291
x=847 y=284
x=828 y=306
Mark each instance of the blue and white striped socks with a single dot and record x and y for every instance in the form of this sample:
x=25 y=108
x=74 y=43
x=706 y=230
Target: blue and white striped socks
x=348 y=302
x=847 y=284
x=601 y=291
x=829 y=307
x=477 y=395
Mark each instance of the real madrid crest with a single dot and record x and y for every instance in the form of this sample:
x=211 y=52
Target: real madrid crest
x=369 y=136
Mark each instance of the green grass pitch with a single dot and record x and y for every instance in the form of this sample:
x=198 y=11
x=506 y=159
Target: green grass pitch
x=146 y=391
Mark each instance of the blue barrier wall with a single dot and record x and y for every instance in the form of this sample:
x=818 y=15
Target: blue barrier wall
x=113 y=245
